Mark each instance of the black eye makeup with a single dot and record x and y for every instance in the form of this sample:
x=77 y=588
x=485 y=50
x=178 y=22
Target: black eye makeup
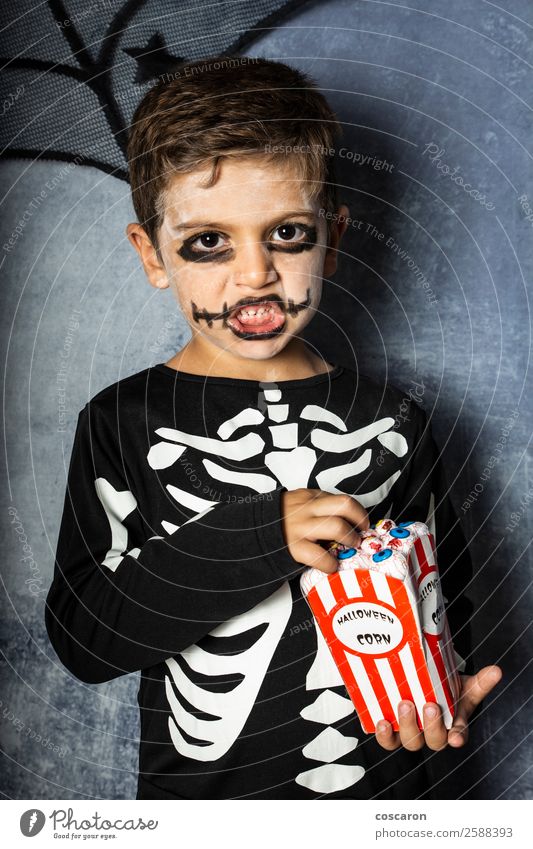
x=204 y=247
x=290 y=241
x=208 y=246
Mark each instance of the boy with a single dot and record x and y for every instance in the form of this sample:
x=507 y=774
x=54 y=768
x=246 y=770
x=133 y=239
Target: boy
x=200 y=488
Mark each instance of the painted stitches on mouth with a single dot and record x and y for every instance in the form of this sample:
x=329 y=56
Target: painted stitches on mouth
x=255 y=312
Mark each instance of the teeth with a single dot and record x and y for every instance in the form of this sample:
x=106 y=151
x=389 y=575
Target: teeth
x=250 y=311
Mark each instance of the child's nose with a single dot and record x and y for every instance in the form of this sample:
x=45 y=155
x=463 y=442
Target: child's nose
x=253 y=265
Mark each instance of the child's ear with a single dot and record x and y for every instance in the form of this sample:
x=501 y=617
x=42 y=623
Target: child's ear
x=152 y=264
x=338 y=225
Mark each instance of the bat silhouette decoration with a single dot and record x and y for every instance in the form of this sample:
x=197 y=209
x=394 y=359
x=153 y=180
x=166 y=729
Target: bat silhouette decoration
x=74 y=73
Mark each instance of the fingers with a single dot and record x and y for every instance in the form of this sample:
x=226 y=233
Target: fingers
x=311 y=515
x=435 y=732
x=347 y=506
x=329 y=528
x=434 y=735
x=386 y=737
x=411 y=737
x=458 y=734
x=311 y=554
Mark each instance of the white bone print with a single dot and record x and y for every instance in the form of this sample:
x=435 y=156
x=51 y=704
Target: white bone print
x=291 y=465
x=117 y=506
x=227 y=711
x=330 y=744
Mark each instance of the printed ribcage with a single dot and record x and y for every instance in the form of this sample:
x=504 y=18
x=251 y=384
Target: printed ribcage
x=219 y=717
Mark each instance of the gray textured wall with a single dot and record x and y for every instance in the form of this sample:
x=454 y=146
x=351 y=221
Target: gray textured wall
x=450 y=74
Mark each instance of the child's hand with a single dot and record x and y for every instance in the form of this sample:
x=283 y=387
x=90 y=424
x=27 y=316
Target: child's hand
x=309 y=515
x=435 y=736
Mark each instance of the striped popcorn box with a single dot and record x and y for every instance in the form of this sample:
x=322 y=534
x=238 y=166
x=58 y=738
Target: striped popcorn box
x=383 y=618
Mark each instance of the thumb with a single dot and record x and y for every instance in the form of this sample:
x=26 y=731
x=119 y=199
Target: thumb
x=478 y=686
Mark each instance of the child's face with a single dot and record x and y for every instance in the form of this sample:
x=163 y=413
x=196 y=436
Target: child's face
x=252 y=237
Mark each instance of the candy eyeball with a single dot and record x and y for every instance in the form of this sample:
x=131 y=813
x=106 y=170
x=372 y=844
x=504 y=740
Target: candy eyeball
x=384 y=526
x=399 y=533
x=384 y=554
x=348 y=552
x=370 y=545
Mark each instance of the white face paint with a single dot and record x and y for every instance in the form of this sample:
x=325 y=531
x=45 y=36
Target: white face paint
x=251 y=236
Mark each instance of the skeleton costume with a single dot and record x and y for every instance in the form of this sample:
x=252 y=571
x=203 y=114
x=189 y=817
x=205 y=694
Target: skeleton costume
x=171 y=560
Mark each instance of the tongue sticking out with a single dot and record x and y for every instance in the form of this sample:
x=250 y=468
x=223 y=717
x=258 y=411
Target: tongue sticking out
x=265 y=318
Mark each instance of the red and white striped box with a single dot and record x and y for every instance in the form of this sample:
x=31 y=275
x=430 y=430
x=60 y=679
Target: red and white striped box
x=383 y=618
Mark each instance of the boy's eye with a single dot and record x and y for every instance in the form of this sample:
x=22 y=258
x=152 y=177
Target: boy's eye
x=204 y=247
x=208 y=241
x=297 y=238
x=289 y=233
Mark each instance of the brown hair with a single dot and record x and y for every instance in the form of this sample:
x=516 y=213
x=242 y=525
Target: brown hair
x=205 y=110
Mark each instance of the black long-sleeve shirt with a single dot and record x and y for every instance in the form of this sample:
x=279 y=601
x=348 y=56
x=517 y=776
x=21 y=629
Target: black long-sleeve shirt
x=171 y=560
